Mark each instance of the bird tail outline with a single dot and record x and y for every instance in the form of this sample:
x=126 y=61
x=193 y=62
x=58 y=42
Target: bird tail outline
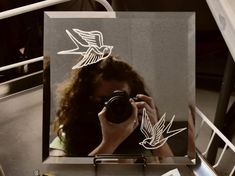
x=171 y=133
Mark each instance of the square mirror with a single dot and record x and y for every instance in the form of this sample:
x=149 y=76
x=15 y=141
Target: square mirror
x=119 y=84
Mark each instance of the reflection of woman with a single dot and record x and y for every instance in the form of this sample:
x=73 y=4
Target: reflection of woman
x=81 y=117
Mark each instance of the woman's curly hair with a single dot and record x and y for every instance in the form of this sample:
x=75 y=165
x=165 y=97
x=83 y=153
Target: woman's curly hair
x=74 y=115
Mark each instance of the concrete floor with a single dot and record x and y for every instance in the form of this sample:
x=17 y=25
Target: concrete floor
x=20 y=133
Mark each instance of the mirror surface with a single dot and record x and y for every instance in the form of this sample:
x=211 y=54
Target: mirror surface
x=148 y=57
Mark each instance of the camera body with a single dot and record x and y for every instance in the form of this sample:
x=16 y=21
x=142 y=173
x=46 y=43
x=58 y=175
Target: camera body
x=118 y=107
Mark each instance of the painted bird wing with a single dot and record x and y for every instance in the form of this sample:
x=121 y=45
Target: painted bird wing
x=146 y=127
x=76 y=42
x=89 y=58
x=92 y=38
x=158 y=130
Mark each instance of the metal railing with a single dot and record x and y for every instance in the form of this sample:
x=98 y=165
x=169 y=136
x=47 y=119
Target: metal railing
x=42 y=4
x=29 y=8
x=18 y=64
x=215 y=131
x=29 y=79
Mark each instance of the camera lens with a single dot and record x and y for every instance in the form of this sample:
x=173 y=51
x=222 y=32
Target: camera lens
x=118 y=107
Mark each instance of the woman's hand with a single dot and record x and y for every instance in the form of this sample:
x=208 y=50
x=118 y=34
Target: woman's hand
x=147 y=103
x=114 y=134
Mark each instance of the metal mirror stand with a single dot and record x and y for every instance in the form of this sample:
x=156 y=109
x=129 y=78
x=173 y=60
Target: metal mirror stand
x=114 y=159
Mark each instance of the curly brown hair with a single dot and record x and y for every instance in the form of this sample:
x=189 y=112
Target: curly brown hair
x=77 y=114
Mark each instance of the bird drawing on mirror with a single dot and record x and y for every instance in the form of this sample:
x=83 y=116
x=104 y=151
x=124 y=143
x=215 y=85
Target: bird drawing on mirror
x=90 y=45
x=154 y=134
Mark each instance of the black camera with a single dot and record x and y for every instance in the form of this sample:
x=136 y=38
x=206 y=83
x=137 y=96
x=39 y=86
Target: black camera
x=118 y=107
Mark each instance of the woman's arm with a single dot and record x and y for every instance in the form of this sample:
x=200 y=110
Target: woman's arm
x=114 y=134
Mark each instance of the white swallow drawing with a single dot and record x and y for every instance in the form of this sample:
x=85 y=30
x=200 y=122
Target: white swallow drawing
x=154 y=134
x=89 y=44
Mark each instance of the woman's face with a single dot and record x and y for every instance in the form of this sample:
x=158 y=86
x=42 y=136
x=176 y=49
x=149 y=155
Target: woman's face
x=105 y=89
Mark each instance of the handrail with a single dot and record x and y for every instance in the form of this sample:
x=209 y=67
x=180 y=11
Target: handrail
x=105 y=3
x=22 y=77
x=21 y=63
x=216 y=131
x=29 y=8
x=40 y=5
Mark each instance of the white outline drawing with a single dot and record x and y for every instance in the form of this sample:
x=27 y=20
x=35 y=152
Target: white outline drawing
x=154 y=134
x=90 y=46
